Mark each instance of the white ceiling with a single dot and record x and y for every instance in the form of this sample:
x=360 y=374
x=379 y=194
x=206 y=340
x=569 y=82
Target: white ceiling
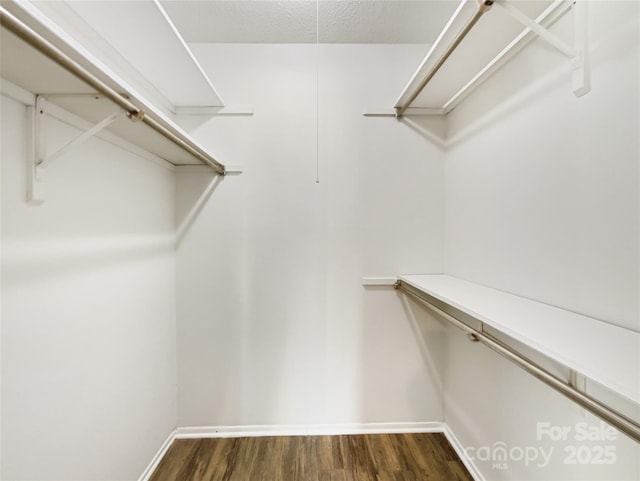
x=294 y=21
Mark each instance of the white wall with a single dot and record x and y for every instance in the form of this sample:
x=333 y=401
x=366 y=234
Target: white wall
x=88 y=310
x=542 y=187
x=542 y=201
x=274 y=325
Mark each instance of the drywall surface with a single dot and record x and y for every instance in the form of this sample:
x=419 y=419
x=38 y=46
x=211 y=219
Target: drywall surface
x=88 y=39
x=88 y=310
x=274 y=325
x=542 y=187
x=542 y=201
x=514 y=427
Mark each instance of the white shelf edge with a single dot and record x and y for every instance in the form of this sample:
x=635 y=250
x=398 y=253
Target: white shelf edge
x=15 y=92
x=627 y=390
x=418 y=73
x=192 y=169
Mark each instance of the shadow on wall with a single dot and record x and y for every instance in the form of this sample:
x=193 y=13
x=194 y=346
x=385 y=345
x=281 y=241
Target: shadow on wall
x=185 y=219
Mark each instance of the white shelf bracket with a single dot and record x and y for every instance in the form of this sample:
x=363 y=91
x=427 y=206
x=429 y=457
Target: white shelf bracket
x=215 y=111
x=379 y=281
x=81 y=138
x=581 y=76
x=35 y=187
x=578 y=52
x=35 y=184
x=579 y=382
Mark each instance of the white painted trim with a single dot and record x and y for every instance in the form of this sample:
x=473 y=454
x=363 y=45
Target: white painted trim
x=462 y=454
x=148 y=472
x=307 y=430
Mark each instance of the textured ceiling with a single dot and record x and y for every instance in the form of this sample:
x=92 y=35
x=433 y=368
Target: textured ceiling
x=294 y=21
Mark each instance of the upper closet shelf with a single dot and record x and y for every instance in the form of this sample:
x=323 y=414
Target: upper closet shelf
x=134 y=37
x=479 y=38
x=604 y=353
x=38 y=57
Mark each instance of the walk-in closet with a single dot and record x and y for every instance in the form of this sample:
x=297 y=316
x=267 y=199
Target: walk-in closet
x=320 y=240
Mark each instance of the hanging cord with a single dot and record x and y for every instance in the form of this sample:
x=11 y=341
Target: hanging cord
x=317 y=91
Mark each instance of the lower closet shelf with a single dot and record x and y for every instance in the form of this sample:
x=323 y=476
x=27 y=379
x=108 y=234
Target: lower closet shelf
x=604 y=353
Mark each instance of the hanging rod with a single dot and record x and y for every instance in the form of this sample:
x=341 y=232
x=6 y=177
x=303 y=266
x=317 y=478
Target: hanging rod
x=483 y=6
x=31 y=37
x=607 y=414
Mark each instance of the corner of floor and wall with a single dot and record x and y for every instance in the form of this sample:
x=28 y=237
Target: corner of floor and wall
x=141 y=304
x=548 y=211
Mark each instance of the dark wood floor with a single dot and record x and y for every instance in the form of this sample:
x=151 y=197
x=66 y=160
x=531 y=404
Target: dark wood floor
x=371 y=457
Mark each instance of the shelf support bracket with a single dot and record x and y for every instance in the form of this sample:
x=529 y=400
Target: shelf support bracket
x=37 y=114
x=578 y=381
x=541 y=31
x=578 y=52
x=35 y=184
x=581 y=76
x=81 y=138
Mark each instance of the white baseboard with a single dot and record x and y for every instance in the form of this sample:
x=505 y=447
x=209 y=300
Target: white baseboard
x=306 y=430
x=198 y=432
x=146 y=474
x=462 y=454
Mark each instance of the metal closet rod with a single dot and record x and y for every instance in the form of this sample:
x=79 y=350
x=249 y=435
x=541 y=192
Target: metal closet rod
x=483 y=6
x=31 y=37
x=607 y=414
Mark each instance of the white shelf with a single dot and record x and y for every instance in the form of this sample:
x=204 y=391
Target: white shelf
x=116 y=28
x=604 y=353
x=35 y=72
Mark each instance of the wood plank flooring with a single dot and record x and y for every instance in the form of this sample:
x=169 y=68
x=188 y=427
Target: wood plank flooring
x=370 y=457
